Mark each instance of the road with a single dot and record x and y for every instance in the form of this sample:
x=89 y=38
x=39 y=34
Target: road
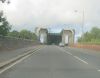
x=13 y=53
x=57 y=62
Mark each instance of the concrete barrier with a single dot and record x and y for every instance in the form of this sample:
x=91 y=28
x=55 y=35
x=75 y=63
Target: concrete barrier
x=15 y=43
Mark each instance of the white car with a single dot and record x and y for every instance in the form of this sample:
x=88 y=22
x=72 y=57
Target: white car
x=61 y=45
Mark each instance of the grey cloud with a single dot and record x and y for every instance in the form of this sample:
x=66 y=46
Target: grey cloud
x=48 y=12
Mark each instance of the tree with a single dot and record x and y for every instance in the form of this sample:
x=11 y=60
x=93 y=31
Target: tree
x=95 y=32
x=92 y=37
x=3 y=1
x=4 y=25
x=25 y=34
x=34 y=37
x=14 y=33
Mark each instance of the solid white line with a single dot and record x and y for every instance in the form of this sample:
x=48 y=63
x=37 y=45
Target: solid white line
x=80 y=59
x=14 y=63
x=6 y=68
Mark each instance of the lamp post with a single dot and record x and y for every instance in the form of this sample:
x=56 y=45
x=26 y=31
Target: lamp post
x=83 y=18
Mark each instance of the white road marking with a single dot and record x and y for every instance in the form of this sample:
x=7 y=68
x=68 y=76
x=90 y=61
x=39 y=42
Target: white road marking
x=74 y=56
x=68 y=53
x=65 y=51
x=98 y=69
x=80 y=59
x=18 y=61
x=77 y=58
x=14 y=63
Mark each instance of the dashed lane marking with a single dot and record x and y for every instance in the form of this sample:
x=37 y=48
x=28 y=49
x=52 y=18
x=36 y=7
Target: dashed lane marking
x=80 y=59
x=65 y=51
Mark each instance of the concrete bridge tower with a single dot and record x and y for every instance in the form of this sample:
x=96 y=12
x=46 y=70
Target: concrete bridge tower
x=68 y=36
x=41 y=34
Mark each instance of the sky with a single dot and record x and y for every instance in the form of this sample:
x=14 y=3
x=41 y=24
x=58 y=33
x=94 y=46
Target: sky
x=54 y=14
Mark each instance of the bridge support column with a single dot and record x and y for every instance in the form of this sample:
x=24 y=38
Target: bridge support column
x=68 y=37
x=43 y=35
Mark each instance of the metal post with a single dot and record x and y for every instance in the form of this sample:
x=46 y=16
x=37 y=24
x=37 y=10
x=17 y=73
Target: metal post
x=83 y=17
x=83 y=22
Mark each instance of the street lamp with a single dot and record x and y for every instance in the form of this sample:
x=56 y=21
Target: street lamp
x=83 y=18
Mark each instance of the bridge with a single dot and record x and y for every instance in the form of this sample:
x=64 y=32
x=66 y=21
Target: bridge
x=66 y=36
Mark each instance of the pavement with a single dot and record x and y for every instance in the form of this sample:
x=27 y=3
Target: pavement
x=57 y=62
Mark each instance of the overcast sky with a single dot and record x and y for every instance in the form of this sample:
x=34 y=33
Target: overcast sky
x=31 y=13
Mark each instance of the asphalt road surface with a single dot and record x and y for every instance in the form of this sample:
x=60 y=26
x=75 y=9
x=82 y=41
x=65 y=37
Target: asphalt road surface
x=57 y=62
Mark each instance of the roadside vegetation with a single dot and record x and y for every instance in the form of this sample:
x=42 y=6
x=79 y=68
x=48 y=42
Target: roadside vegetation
x=4 y=25
x=24 y=34
x=92 y=37
x=5 y=30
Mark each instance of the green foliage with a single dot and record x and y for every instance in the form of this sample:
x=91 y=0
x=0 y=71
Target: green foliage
x=95 y=32
x=4 y=25
x=3 y=1
x=92 y=37
x=14 y=33
x=24 y=34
